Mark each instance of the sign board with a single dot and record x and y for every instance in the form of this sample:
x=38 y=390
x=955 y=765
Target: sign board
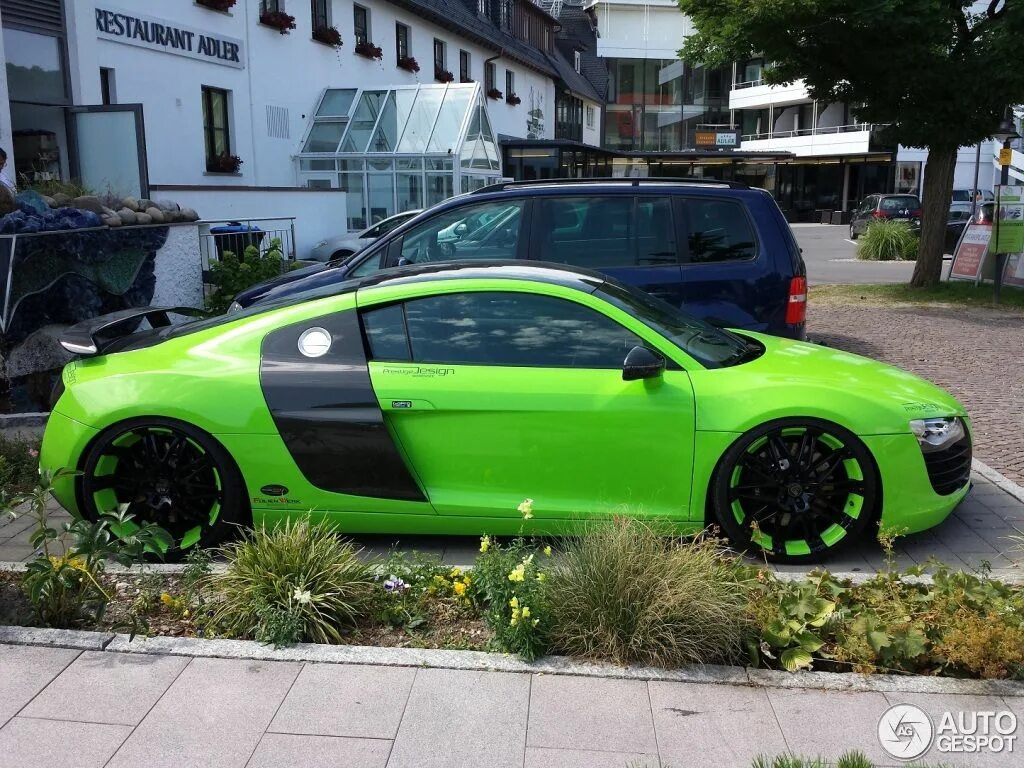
x=726 y=138
x=145 y=31
x=970 y=253
x=1005 y=156
x=1008 y=228
x=1013 y=272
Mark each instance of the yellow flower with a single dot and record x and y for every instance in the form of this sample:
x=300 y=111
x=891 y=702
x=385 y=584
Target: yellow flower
x=536 y=622
x=460 y=588
x=485 y=543
x=166 y=599
x=526 y=508
x=547 y=550
x=514 y=602
x=526 y=612
x=541 y=576
x=518 y=573
x=455 y=573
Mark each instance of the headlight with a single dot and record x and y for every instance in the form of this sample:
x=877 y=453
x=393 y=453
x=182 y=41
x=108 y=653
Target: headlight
x=234 y=307
x=937 y=434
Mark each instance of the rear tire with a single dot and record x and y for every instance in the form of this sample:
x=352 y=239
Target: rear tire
x=853 y=233
x=167 y=472
x=795 y=490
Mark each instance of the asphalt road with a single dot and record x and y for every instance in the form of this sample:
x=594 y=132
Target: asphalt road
x=831 y=258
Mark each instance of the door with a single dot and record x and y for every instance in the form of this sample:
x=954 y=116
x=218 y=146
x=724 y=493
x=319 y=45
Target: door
x=496 y=396
x=633 y=239
x=108 y=149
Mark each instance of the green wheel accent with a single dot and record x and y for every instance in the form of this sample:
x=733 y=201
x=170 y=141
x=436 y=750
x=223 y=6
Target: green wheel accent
x=797 y=490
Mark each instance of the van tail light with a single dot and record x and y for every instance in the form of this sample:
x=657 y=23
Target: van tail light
x=879 y=215
x=916 y=213
x=796 y=307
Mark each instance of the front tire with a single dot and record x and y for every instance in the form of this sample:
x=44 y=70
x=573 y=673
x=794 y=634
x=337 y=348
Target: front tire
x=853 y=233
x=795 y=490
x=169 y=473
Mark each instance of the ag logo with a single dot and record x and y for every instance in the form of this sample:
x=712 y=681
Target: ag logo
x=905 y=731
x=273 y=490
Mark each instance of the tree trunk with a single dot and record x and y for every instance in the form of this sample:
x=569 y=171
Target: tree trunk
x=936 y=197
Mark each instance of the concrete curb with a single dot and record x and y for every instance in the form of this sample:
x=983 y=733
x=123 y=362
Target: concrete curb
x=497 y=662
x=997 y=479
x=23 y=420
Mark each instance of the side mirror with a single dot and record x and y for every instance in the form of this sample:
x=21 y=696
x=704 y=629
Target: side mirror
x=461 y=229
x=402 y=262
x=642 y=363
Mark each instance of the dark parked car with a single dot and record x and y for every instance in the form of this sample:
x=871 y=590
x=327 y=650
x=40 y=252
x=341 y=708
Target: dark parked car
x=960 y=216
x=882 y=207
x=722 y=250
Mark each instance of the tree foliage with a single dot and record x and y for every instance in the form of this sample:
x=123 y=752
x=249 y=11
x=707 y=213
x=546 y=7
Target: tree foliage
x=940 y=73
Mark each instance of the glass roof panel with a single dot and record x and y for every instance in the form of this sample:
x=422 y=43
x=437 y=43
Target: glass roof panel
x=421 y=120
x=449 y=121
x=396 y=112
x=324 y=137
x=336 y=102
x=365 y=117
x=487 y=137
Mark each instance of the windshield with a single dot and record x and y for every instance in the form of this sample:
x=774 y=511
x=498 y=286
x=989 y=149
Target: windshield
x=711 y=347
x=900 y=202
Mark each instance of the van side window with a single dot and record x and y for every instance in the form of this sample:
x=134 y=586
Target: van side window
x=718 y=230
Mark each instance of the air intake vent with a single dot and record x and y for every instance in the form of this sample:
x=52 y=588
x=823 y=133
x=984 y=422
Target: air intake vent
x=45 y=15
x=277 y=122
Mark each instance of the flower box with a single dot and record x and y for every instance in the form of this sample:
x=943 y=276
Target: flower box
x=443 y=75
x=409 y=64
x=217 y=5
x=226 y=163
x=279 y=20
x=513 y=100
x=328 y=36
x=495 y=94
x=369 y=50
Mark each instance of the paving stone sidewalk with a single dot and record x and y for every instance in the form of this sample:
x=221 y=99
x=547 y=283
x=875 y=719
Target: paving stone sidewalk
x=978 y=532
x=101 y=709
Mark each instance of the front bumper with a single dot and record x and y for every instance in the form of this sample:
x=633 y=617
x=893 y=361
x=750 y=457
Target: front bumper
x=64 y=441
x=909 y=502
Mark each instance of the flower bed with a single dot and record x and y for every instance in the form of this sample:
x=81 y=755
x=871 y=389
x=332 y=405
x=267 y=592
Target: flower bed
x=279 y=20
x=624 y=593
x=409 y=64
x=368 y=50
x=217 y=5
x=328 y=36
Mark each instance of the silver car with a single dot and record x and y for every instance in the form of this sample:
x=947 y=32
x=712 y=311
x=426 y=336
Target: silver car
x=345 y=245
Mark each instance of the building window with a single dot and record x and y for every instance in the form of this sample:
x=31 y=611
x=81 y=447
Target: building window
x=321 y=10
x=510 y=82
x=401 y=40
x=440 y=56
x=464 y=76
x=107 y=85
x=591 y=116
x=360 y=24
x=271 y=6
x=490 y=73
x=576 y=60
x=216 y=125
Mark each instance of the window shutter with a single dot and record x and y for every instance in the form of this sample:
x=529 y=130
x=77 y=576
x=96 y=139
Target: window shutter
x=44 y=15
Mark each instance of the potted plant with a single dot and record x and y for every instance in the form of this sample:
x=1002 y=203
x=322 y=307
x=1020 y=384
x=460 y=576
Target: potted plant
x=369 y=50
x=224 y=163
x=216 y=5
x=328 y=36
x=443 y=75
x=409 y=64
x=279 y=20
x=513 y=99
x=495 y=94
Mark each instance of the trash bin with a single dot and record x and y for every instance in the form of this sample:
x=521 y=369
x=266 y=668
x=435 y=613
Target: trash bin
x=826 y=215
x=235 y=237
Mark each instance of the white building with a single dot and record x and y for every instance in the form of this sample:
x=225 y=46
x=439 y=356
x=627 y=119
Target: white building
x=223 y=111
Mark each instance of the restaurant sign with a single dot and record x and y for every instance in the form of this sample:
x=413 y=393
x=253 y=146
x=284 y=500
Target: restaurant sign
x=170 y=37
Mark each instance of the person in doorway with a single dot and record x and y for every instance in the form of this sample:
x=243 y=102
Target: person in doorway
x=5 y=179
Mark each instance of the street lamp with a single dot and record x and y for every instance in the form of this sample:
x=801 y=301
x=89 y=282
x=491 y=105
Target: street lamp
x=1005 y=134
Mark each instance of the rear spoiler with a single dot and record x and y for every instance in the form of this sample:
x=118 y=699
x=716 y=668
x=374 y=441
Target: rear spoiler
x=89 y=336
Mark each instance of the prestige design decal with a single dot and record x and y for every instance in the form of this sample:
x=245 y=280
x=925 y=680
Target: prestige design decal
x=169 y=37
x=419 y=370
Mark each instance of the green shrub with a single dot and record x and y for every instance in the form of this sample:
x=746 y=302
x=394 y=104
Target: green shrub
x=298 y=581
x=511 y=584
x=19 y=465
x=230 y=274
x=626 y=593
x=888 y=240
x=846 y=760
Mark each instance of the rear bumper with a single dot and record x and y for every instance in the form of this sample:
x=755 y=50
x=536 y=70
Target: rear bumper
x=64 y=441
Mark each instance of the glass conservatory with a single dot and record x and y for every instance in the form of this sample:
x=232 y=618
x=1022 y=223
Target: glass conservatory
x=401 y=148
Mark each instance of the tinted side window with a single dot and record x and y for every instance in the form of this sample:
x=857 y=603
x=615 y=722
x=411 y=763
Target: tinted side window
x=594 y=232
x=655 y=232
x=510 y=329
x=385 y=332
x=718 y=230
x=485 y=231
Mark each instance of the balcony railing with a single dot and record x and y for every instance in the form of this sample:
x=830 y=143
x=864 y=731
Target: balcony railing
x=856 y=127
x=748 y=84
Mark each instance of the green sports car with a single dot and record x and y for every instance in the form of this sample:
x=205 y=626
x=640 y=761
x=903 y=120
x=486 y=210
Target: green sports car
x=434 y=399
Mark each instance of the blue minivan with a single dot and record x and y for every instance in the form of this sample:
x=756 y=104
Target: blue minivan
x=720 y=250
